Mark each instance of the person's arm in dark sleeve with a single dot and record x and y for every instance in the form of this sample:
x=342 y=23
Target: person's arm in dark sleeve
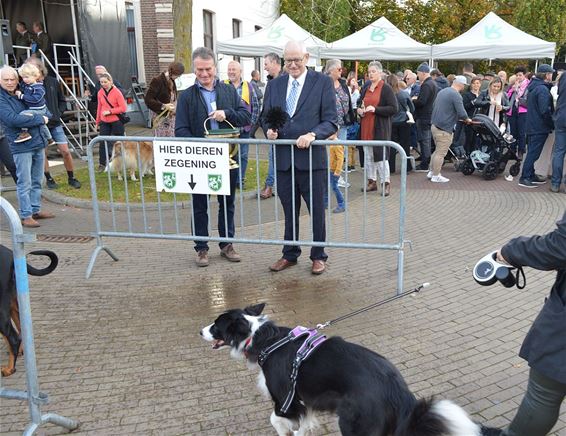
x=328 y=124
x=545 y=105
x=61 y=102
x=410 y=104
x=389 y=107
x=239 y=116
x=546 y=252
x=265 y=108
x=505 y=103
x=150 y=97
x=255 y=105
x=182 y=118
x=13 y=119
x=482 y=101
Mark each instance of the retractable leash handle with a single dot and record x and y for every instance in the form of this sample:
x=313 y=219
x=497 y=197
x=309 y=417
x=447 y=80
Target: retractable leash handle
x=488 y=270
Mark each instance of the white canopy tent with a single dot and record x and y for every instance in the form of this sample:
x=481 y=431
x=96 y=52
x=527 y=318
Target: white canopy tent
x=494 y=38
x=271 y=39
x=379 y=40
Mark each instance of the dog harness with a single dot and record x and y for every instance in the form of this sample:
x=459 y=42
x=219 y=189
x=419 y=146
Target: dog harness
x=313 y=340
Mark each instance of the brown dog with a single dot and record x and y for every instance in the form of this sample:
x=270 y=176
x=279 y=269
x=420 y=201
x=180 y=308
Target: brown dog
x=9 y=310
x=125 y=154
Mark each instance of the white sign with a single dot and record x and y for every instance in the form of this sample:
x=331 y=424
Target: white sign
x=192 y=167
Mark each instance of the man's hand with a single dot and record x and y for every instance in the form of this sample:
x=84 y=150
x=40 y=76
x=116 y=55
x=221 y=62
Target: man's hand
x=169 y=106
x=499 y=257
x=272 y=134
x=218 y=116
x=87 y=93
x=18 y=93
x=304 y=141
x=468 y=121
x=370 y=108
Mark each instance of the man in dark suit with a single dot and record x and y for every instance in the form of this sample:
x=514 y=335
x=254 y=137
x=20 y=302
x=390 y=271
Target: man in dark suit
x=309 y=99
x=43 y=40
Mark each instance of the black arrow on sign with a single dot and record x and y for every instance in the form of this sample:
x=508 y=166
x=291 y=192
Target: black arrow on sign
x=192 y=183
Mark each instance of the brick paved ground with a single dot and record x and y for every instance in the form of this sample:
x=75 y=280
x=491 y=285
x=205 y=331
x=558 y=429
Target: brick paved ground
x=121 y=352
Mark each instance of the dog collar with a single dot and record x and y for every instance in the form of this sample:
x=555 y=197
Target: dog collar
x=247 y=346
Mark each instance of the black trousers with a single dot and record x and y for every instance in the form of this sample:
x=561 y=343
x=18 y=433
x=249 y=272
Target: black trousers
x=226 y=226
x=108 y=129
x=6 y=158
x=302 y=189
x=401 y=134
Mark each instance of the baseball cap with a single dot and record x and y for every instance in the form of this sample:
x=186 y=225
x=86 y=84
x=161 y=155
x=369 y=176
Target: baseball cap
x=423 y=68
x=545 y=68
x=461 y=80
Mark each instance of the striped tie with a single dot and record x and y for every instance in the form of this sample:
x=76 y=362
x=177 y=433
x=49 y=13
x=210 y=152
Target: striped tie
x=292 y=99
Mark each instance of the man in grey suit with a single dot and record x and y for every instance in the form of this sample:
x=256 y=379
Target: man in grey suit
x=309 y=99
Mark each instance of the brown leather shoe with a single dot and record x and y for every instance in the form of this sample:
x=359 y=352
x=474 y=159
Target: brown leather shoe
x=371 y=186
x=30 y=222
x=41 y=215
x=202 y=258
x=282 y=264
x=386 y=189
x=318 y=266
x=266 y=192
x=229 y=253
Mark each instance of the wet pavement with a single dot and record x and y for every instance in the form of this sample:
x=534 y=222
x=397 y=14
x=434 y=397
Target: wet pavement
x=121 y=353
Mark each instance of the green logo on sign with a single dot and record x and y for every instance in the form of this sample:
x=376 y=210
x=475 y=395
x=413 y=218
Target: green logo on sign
x=276 y=32
x=215 y=181
x=493 y=32
x=378 y=34
x=169 y=180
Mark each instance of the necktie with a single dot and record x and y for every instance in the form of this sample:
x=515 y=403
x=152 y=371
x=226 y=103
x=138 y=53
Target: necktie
x=292 y=98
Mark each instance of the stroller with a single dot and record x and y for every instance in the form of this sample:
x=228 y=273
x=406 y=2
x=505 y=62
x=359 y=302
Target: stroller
x=493 y=152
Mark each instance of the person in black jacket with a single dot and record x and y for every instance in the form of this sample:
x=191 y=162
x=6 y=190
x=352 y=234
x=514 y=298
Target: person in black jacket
x=494 y=103
x=544 y=347
x=423 y=113
x=539 y=123
x=211 y=98
x=56 y=104
x=468 y=97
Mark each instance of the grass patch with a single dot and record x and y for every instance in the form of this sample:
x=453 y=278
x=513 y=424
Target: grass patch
x=134 y=188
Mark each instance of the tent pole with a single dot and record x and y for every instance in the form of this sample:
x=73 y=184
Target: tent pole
x=78 y=52
x=43 y=17
x=536 y=65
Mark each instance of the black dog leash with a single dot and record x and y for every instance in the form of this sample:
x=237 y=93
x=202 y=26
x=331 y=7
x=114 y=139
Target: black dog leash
x=372 y=306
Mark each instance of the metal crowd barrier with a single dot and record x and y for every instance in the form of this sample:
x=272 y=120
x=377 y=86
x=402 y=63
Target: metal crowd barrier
x=33 y=396
x=363 y=225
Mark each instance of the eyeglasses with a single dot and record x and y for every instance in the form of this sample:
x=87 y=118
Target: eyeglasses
x=296 y=61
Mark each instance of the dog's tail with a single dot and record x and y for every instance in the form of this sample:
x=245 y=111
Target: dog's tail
x=430 y=417
x=49 y=268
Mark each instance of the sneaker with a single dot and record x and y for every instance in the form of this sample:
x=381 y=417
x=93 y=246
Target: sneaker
x=339 y=209
x=229 y=253
x=202 y=258
x=101 y=168
x=74 y=183
x=422 y=169
x=52 y=184
x=342 y=183
x=439 y=179
x=351 y=168
x=429 y=175
x=22 y=137
x=554 y=188
x=527 y=183
x=539 y=180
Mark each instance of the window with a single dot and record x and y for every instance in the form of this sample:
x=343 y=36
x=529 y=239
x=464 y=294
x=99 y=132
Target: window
x=208 y=29
x=257 y=61
x=131 y=30
x=236 y=33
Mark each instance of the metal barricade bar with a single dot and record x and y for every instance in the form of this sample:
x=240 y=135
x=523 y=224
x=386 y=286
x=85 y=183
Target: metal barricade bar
x=245 y=232
x=33 y=396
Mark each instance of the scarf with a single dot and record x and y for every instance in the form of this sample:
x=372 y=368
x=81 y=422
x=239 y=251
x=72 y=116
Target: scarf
x=493 y=114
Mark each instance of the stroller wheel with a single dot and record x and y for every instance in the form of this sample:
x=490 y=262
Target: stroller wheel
x=467 y=167
x=490 y=171
x=515 y=168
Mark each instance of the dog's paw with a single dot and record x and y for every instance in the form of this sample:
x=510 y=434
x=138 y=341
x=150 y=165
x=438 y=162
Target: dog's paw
x=7 y=372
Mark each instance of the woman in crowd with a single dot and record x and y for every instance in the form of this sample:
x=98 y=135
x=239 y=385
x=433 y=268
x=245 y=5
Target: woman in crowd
x=494 y=103
x=518 y=107
x=111 y=108
x=161 y=99
x=377 y=105
x=345 y=115
x=469 y=97
x=401 y=130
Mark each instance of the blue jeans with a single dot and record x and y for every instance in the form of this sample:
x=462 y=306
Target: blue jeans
x=535 y=146
x=29 y=170
x=242 y=158
x=334 y=185
x=270 y=179
x=424 y=137
x=517 y=124
x=558 y=158
x=43 y=128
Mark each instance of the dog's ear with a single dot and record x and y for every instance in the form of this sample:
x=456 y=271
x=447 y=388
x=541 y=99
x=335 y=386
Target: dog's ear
x=254 y=310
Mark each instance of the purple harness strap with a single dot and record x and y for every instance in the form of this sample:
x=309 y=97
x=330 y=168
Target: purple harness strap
x=313 y=340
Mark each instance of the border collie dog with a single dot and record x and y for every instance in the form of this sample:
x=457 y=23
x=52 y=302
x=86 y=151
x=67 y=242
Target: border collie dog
x=363 y=388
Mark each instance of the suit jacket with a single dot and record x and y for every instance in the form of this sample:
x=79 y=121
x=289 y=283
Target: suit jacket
x=44 y=43
x=315 y=112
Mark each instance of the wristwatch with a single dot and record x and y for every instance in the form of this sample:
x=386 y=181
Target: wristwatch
x=313 y=134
